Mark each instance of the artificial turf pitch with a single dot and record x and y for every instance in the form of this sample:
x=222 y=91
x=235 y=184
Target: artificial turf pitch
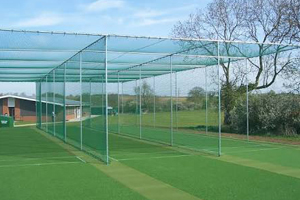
x=35 y=165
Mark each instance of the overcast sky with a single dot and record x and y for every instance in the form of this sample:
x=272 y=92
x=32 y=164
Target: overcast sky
x=130 y=17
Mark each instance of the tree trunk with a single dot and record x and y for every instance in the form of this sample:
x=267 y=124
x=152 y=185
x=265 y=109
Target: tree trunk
x=228 y=101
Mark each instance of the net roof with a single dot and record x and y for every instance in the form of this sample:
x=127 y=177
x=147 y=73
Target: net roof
x=29 y=56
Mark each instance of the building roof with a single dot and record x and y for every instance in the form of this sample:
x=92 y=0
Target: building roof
x=17 y=97
x=68 y=101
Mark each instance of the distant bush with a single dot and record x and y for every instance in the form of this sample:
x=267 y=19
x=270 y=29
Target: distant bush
x=268 y=114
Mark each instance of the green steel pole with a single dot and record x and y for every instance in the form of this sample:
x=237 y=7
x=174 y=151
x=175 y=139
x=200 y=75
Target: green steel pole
x=64 y=104
x=106 y=103
x=140 y=84
x=171 y=103
x=220 y=114
x=80 y=80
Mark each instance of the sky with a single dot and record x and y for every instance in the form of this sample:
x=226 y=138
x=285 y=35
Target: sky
x=127 y=17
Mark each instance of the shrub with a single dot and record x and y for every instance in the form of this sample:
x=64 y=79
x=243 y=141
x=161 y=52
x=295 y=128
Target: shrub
x=268 y=114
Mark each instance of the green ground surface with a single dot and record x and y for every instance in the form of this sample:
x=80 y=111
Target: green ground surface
x=23 y=122
x=34 y=167
x=162 y=119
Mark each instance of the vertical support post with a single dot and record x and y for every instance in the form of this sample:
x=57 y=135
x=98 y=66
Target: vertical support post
x=219 y=95
x=118 y=103
x=54 y=112
x=176 y=106
x=206 y=102
x=102 y=94
x=40 y=105
x=122 y=100
x=64 y=104
x=140 y=90
x=171 y=103
x=47 y=90
x=90 y=103
x=106 y=102
x=247 y=99
x=80 y=80
x=136 y=105
x=154 y=102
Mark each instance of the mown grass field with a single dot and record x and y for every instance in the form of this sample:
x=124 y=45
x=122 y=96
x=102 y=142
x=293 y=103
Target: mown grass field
x=35 y=165
x=182 y=119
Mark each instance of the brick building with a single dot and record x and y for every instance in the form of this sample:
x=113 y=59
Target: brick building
x=24 y=109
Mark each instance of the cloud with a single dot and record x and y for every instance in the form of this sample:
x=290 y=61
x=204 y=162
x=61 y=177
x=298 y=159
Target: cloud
x=149 y=13
x=148 y=22
x=45 y=19
x=102 y=5
x=148 y=17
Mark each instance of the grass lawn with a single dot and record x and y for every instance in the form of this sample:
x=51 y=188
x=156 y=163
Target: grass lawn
x=23 y=122
x=34 y=165
x=162 y=119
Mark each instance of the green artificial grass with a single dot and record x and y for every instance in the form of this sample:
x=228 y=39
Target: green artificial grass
x=162 y=119
x=203 y=176
x=33 y=167
x=23 y=122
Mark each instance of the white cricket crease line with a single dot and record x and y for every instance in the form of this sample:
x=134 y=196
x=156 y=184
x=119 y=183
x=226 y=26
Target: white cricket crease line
x=80 y=159
x=158 y=157
x=198 y=150
x=39 y=164
x=25 y=159
x=253 y=150
x=157 y=152
x=24 y=125
x=114 y=159
x=224 y=147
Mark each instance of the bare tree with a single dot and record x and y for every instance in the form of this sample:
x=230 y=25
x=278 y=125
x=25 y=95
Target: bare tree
x=146 y=95
x=252 y=20
x=294 y=17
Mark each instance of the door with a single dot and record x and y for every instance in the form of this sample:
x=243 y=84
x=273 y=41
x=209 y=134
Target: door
x=12 y=112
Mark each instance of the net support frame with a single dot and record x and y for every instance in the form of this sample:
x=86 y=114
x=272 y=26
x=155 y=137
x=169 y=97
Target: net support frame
x=219 y=104
x=53 y=113
x=206 y=102
x=176 y=101
x=140 y=100
x=80 y=81
x=154 y=101
x=136 y=105
x=247 y=99
x=64 y=105
x=106 y=103
x=47 y=89
x=171 y=102
x=118 y=103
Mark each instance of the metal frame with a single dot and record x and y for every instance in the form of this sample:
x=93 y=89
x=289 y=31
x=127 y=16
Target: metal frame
x=171 y=103
x=54 y=113
x=140 y=101
x=64 y=102
x=219 y=109
x=137 y=74
x=80 y=81
x=106 y=103
x=131 y=36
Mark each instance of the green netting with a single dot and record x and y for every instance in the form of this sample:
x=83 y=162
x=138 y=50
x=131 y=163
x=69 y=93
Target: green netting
x=28 y=56
x=59 y=102
x=176 y=108
x=38 y=105
x=43 y=104
x=147 y=80
x=73 y=95
x=50 y=104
